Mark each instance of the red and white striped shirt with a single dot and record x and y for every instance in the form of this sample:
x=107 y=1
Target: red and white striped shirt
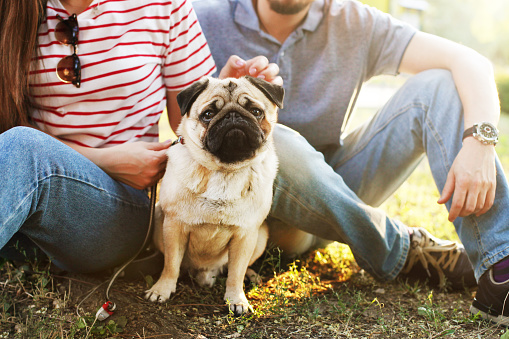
x=131 y=53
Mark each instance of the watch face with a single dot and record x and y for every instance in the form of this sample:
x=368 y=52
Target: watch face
x=488 y=132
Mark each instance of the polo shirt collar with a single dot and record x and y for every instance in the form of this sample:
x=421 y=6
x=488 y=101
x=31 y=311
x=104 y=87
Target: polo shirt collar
x=244 y=14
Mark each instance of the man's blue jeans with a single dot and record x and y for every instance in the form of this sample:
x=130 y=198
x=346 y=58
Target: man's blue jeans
x=85 y=221
x=334 y=194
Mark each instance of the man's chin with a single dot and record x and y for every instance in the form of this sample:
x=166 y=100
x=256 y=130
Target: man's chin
x=289 y=7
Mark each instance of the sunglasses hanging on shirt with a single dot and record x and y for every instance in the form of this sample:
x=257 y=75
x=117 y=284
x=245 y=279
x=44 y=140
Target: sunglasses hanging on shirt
x=67 y=33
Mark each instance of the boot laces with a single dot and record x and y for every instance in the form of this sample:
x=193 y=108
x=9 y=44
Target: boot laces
x=428 y=252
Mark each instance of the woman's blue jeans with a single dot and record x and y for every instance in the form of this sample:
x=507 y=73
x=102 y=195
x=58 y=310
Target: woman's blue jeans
x=56 y=199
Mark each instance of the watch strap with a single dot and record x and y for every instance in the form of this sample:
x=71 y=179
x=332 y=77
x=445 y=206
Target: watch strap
x=469 y=131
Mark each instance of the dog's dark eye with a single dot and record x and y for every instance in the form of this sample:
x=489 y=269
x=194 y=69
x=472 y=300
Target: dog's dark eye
x=256 y=112
x=207 y=116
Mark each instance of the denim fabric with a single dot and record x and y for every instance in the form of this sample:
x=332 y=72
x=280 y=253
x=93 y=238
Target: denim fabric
x=59 y=200
x=86 y=221
x=334 y=194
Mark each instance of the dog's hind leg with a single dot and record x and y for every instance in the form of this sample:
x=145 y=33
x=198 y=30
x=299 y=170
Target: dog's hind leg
x=207 y=277
x=261 y=243
x=158 y=228
x=292 y=241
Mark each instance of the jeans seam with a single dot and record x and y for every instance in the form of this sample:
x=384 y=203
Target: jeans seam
x=402 y=111
x=493 y=259
x=15 y=210
x=48 y=177
x=447 y=167
x=438 y=139
x=296 y=200
x=401 y=263
x=110 y=194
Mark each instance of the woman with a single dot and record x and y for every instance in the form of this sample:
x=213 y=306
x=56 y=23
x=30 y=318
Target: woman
x=92 y=77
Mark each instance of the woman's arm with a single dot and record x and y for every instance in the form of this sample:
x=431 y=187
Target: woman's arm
x=138 y=164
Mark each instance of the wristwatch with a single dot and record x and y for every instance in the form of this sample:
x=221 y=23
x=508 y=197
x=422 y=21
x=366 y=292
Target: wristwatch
x=485 y=132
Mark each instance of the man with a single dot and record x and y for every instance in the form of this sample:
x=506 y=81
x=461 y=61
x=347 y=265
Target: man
x=325 y=50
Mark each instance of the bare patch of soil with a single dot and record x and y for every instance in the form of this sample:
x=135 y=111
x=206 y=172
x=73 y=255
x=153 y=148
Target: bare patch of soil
x=301 y=299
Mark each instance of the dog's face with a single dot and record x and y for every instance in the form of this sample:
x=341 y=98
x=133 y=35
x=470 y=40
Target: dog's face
x=232 y=118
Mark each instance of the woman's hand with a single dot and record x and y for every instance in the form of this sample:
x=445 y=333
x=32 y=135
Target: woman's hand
x=137 y=164
x=258 y=67
x=471 y=181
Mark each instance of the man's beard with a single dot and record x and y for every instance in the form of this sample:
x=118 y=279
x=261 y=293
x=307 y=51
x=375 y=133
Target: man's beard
x=288 y=9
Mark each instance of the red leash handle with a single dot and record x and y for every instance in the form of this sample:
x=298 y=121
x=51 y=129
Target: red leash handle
x=105 y=311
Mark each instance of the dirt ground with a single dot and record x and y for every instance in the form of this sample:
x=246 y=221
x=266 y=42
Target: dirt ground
x=197 y=313
x=304 y=299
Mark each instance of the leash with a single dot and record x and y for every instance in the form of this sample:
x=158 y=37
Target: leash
x=109 y=307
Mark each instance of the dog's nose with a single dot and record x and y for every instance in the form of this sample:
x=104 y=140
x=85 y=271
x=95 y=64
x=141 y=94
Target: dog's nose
x=233 y=115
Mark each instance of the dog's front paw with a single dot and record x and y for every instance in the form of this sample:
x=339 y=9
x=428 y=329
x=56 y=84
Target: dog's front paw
x=161 y=291
x=238 y=304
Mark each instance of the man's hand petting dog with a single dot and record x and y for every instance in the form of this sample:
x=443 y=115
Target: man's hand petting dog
x=217 y=189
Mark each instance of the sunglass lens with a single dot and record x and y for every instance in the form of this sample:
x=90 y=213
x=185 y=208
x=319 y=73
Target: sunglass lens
x=67 y=32
x=69 y=70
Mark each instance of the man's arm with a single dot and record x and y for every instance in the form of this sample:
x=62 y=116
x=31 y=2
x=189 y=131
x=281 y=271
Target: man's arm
x=472 y=73
x=472 y=177
x=235 y=67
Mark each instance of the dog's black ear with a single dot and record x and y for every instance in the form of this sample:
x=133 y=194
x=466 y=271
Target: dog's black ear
x=188 y=96
x=272 y=91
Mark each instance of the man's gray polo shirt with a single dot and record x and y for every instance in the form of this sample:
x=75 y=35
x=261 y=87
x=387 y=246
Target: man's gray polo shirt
x=323 y=62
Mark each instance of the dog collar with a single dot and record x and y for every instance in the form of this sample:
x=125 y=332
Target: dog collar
x=180 y=140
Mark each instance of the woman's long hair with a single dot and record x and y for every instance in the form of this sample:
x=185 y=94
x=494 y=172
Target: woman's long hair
x=19 y=22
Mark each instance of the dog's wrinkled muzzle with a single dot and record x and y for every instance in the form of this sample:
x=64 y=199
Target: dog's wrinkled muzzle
x=234 y=138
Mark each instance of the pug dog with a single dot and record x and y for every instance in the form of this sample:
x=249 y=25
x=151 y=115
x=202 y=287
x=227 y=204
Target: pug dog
x=217 y=189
